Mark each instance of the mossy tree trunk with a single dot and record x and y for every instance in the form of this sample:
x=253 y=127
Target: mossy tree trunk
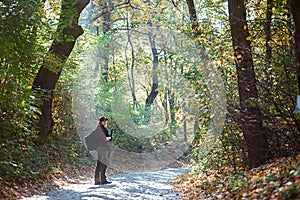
x=45 y=81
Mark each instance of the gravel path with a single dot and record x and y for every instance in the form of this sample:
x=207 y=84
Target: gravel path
x=143 y=185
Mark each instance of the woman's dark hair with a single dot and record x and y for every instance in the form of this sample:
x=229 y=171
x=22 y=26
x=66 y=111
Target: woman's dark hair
x=103 y=119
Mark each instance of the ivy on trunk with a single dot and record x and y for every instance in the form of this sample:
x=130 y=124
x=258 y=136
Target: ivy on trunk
x=44 y=83
x=251 y=121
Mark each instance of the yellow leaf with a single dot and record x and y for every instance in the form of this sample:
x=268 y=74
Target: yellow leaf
x=239 y=56
x=218 y=62
x=216 y=41
x=245 y=27
x=262 y=27
x=248 y=38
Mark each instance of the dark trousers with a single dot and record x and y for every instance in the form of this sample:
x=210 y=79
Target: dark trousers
x=100 y=172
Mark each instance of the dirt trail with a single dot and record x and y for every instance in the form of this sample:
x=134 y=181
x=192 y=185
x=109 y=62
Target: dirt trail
x=141 y=185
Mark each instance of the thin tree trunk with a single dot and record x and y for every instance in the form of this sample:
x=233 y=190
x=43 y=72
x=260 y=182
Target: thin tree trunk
x=106 y=26
x=165 y=105
x=154 y=85
x=193 y=17
x=268 y=31
x=48 y=74
x=196 y=127
x=130 y=71
x=184 y=129
x=251 y=122
x=268 y=55
x=153 y=93
x=132 y=75
x=97 y=65
x=171 y=98
x=167 y=89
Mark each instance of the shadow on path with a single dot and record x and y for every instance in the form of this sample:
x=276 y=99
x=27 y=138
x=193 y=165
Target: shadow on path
x=140 y=185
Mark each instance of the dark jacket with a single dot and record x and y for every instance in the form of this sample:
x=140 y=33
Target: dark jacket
x=105 y=131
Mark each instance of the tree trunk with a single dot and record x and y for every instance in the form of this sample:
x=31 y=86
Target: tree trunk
x=48 y=74
x=106 y=25
x=97 y=64
x=165 y=106
x=251 y=123
x=153 y=92
x=193 y=17
x=171 y=98
x=267 y=29
x=184 y=129
x=295 y=7
x=196 y=128
x=130 y=71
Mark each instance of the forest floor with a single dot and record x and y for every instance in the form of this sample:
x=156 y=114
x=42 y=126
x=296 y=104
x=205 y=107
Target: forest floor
x=279 y=179
x=59 y=177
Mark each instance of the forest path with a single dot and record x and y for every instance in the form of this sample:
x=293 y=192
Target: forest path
x=138 y=185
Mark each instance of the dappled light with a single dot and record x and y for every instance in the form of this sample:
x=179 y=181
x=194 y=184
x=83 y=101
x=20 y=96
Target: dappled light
x=112 y=99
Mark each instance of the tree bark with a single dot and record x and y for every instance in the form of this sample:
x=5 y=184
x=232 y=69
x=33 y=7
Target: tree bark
x=171 y=98
x=130 y=71
x=295 y=7
x=165 y=106
x=267 y=29
x=48 y=74
x=106 y=25
x=154 y=85
x=193 y=17
x=251 y=123
x=153 y=93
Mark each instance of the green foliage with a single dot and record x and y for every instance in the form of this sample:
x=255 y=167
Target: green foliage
x=276 y=76
x=22 y=161
x=222 y=154
x=132 y=144
x=19 y=59
x=139 y=114
x=25 y=32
